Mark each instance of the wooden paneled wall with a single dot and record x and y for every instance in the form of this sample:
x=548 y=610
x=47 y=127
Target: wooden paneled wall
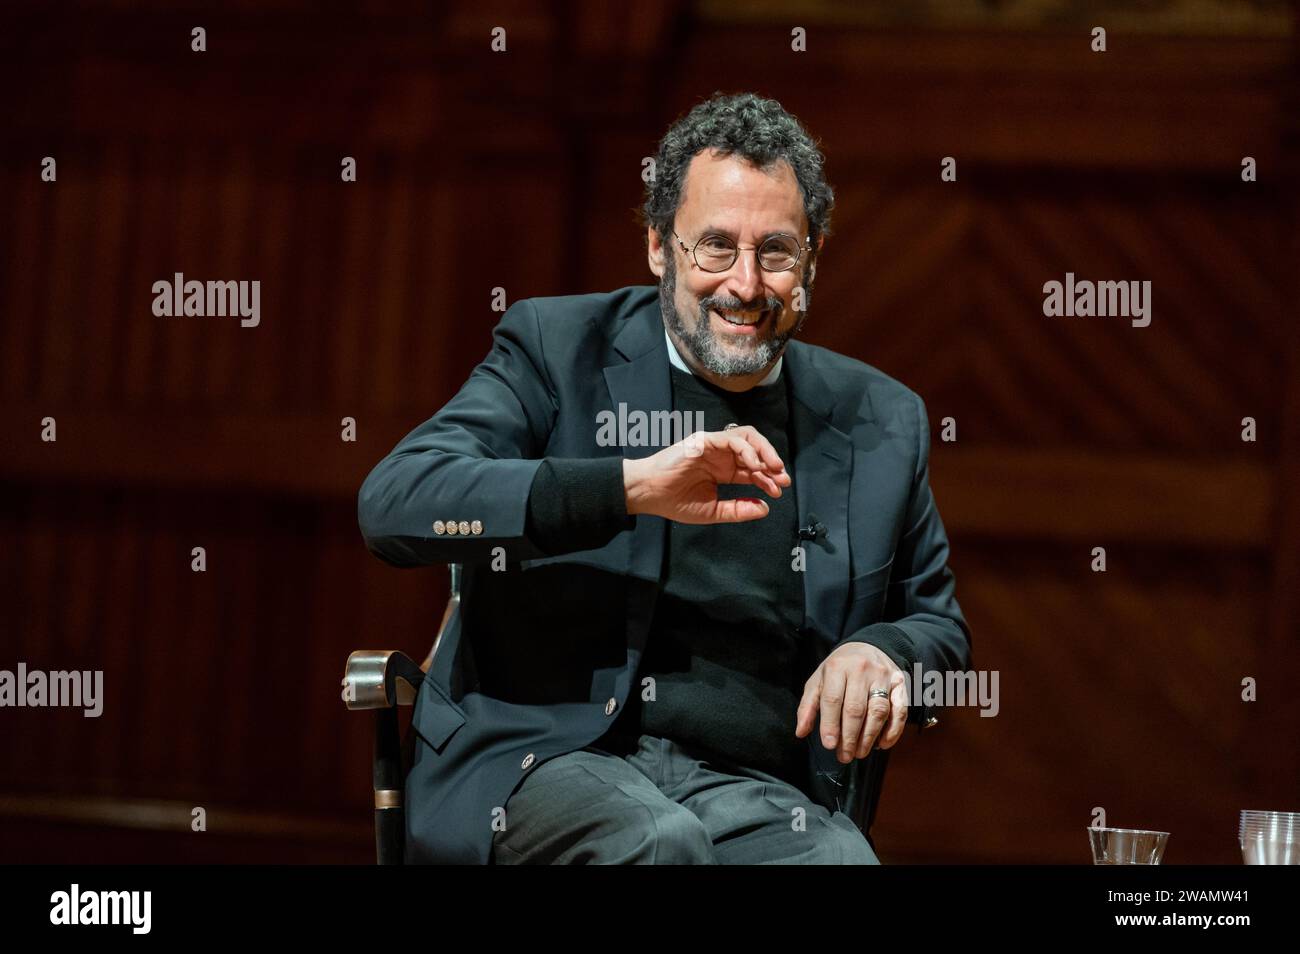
x=1118 y=690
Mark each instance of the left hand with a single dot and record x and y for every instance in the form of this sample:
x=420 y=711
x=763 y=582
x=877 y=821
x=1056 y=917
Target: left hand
x=849 y=718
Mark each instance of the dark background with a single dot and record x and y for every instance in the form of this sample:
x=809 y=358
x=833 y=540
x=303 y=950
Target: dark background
x=522 y=170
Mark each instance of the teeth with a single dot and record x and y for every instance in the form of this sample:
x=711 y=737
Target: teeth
x=731 y=318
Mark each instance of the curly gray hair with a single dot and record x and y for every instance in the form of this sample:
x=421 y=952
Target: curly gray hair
x=757 y=129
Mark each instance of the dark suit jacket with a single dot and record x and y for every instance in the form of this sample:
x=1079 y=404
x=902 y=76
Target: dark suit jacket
x=541 y=654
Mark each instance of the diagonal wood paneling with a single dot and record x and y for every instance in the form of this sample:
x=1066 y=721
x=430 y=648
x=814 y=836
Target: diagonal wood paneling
x=1118 y=690
x=1147 y=733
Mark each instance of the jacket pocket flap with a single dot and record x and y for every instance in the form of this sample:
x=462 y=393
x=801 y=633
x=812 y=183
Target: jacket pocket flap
x=873 y=581
x=436 y=717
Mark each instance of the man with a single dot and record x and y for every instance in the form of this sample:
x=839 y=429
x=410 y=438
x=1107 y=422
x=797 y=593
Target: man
x=673 y=647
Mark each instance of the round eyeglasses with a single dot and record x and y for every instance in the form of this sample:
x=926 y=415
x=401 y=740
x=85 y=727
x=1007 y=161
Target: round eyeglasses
x=717 y=253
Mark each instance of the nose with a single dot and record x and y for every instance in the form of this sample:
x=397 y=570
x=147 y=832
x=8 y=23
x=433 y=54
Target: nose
x=745 y=279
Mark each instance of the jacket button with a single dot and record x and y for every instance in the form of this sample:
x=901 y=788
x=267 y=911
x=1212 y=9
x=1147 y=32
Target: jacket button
x=476 y=527
x=528 y=760
x=439 y=527
x=611 y=706
x=451 y=527
x=464 y=528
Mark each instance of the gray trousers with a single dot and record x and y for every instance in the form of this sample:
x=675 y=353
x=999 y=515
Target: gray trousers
x=666 y=804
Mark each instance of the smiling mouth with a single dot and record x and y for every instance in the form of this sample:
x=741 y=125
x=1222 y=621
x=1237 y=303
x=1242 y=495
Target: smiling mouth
x=742 y=319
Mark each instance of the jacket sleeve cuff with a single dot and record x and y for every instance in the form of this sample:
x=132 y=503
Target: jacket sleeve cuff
x=577 y=504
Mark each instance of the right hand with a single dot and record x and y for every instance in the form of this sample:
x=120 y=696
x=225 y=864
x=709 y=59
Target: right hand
x=680 y=482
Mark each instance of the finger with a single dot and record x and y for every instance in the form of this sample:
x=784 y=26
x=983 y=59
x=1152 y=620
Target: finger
x=833 y=681
x=877 y=715
x=807 y=710
x=854 y=714
x=764 y=481
x=707 y=443
x=738 y=510
x=897 y=712
x=773 y=466
x=863 y=751
x=771 y=459
x=747 y=465
x=746 y=454
x=752 y=451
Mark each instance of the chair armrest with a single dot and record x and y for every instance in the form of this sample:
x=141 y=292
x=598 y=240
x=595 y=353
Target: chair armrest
x=380 y=679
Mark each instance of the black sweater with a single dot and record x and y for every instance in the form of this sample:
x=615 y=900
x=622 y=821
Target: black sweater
x=724 y=650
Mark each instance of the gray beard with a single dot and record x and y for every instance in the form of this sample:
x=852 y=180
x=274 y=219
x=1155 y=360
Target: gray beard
x=703 y=343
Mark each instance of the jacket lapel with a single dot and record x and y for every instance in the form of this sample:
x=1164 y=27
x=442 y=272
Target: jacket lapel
x=822 y=472
x=642 y=383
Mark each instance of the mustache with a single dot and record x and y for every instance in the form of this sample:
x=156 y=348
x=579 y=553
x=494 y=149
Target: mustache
x=735 y=304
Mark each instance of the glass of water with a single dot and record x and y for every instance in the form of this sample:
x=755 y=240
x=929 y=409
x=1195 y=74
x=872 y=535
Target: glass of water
x=1127 y=846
